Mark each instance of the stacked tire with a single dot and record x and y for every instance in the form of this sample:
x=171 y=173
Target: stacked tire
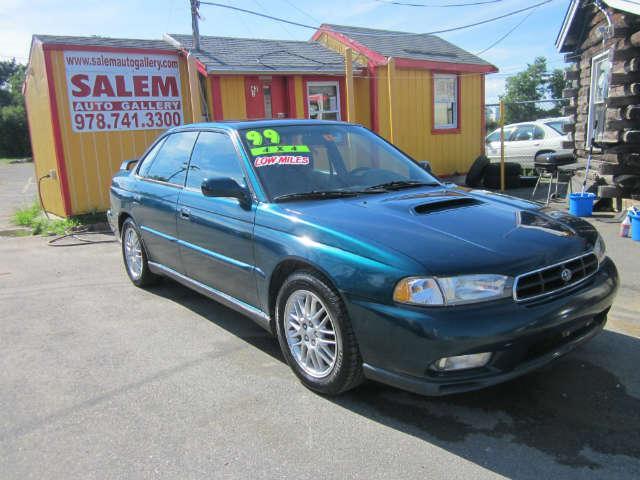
x=512 y=172
x=487 y=174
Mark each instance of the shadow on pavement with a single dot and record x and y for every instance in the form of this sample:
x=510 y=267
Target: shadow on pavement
x=574 y=410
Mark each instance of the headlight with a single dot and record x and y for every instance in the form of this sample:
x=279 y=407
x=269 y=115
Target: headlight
x=452 y=290
x=599 y=248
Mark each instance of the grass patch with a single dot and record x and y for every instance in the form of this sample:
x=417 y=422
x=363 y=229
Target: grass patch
x=33 y=217
x=7 y=161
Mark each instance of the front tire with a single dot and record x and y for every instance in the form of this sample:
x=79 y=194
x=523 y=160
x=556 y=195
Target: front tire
x=135 y=256
x=315 y=335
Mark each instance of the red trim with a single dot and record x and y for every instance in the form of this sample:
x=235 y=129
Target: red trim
x=438 y=131
x=322 y=78
x=291 y=97
x=447 y=67
x=254 y=105
x=59 y=46
x=373 y=97
x=373 y=56
x=483 y=117
x=279 y=101
x=216 y=98
x=57 y=135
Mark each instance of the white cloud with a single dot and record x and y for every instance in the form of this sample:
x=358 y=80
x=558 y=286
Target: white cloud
x=494 y=87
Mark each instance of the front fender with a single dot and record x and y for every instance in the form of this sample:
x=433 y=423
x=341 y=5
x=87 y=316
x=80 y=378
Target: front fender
x=355 y=268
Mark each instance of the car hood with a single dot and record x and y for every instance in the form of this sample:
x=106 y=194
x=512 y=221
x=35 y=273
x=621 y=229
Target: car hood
x=451 y=231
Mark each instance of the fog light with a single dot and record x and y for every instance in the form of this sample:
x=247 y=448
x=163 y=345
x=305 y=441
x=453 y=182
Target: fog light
x=462 y=362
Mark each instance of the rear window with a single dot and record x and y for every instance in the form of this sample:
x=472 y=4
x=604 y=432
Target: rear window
x=557 y=125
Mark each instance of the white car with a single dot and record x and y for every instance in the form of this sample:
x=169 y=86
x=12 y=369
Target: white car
x=523 y=141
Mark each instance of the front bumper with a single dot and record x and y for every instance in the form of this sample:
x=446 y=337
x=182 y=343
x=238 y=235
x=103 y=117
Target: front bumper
x=400 y=343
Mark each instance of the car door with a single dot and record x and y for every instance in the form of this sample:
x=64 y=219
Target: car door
x=523 y=143
x=493 y=143
x=160 y=179
x=216 y=234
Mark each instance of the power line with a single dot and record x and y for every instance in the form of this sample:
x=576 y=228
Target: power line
x=308 y=15
x=506 y=34
x=406 y=4
x=389 y=34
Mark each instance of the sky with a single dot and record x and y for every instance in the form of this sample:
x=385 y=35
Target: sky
x=19 y=20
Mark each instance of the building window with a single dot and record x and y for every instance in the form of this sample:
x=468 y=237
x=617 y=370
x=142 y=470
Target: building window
x=204 y=98
x=600 y=69
x=323 y=100
x=445 y=102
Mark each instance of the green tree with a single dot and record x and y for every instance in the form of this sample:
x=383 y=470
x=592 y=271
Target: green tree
x=525 y=86
x=555 y=85
x=532 y=84
x=14 y=133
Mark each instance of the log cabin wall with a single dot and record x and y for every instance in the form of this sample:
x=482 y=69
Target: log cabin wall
x=619 y=151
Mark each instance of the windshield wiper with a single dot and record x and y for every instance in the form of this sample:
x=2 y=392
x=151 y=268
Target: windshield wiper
x=317 y=194
x=400 y=184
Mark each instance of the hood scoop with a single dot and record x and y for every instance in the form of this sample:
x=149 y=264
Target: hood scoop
x=445 y=204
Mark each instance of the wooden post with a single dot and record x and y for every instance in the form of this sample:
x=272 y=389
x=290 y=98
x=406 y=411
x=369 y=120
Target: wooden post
x=391 y=71
x=194 y=88
x=502 y=179
x=351 y=102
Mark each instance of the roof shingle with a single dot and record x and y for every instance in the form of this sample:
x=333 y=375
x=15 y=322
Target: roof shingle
x=95 y=41
x=221 y=54
x=407 y=45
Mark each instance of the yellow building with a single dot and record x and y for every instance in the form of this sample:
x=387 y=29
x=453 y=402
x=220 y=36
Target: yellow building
x=93 y=102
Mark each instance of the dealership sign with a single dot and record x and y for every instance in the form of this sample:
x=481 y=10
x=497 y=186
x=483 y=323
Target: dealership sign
x=123 y=91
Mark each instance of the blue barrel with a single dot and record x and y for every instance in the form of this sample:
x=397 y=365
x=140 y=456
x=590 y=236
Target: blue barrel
x=635 y=226
x=581 y=204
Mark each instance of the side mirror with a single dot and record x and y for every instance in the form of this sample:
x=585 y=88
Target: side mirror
x=225 y=187
x=426 y=165
x=128 y=164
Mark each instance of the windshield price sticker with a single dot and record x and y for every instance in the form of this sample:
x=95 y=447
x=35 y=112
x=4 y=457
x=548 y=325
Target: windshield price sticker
x=256 y=138
x=123 y=91
x=281 y=160
x=279 y=149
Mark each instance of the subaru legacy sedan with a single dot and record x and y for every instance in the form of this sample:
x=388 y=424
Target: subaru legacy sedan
x=360 y=262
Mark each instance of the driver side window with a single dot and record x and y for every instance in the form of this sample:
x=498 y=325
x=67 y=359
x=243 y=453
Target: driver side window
x=214 y=156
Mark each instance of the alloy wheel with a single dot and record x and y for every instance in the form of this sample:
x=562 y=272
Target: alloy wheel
x=133 y=253
x=311 y=334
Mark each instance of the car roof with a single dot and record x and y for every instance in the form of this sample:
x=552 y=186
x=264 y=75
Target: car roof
x=243 y=124
x=533 y=122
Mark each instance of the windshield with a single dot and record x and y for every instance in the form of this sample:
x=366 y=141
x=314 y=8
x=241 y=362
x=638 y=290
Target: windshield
x=311 y=159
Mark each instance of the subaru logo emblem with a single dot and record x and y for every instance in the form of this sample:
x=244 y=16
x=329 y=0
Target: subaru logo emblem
x=566 y=275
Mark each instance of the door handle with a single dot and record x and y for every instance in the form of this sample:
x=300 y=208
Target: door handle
x=185 y=213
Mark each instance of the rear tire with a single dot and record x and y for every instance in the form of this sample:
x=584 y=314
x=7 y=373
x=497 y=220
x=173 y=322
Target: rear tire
x=134 y=256
x=315 y=335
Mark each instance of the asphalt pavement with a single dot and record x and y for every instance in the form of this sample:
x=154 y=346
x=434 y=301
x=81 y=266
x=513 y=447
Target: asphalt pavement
x=99 y=379
x=17 y=189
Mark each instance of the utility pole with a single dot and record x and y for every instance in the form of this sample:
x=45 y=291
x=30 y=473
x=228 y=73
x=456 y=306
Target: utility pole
x=195 y=5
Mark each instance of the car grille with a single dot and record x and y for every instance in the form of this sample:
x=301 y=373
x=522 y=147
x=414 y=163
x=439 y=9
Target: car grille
x=553 y=278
